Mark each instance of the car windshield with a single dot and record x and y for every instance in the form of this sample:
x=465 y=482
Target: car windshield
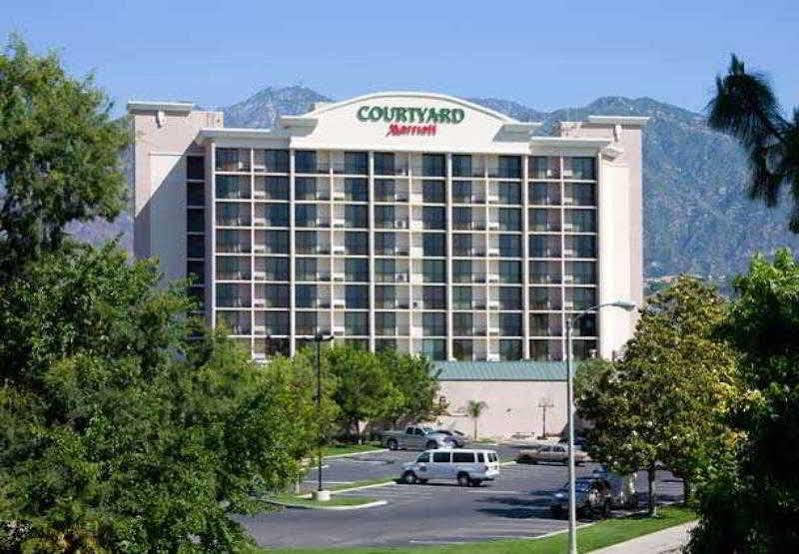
x=428 y=429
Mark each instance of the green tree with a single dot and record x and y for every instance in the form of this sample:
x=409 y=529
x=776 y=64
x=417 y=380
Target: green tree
x=59 y=155
x=664 y=401
x=126 y=427
x=746 y=108
x=364 y=390
x=474 y=409
x=414 y=378
x=754 y=507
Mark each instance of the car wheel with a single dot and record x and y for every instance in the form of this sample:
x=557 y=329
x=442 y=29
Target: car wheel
x=431 y=445
x=409 y=478
x=463 y=479
x=477 y=482
x=392 y=444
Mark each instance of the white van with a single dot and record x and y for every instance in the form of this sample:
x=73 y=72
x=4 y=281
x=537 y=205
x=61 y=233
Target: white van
x=468 y=467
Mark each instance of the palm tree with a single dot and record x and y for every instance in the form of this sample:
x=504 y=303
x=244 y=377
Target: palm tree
x=474 y=410
x=746 y=108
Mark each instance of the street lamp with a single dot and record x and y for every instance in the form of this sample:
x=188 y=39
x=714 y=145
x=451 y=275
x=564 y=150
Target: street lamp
x=570 y=323
x=319 y=338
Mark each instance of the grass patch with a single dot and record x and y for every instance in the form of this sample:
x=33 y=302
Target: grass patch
x=334 y=501
x=338 y=449
x=362 y=483
x=600 y=535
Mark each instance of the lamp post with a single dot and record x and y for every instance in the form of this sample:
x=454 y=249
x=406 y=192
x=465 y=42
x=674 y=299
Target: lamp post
x=570 y=323
x=545 y=403
x=319 y=338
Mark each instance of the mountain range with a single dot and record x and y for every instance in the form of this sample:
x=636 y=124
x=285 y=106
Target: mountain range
x=697 y=217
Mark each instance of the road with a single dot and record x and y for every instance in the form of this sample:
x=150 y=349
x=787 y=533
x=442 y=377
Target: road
x=514 y=506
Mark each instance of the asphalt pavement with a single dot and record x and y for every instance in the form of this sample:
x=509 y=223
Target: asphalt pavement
x=516 y=505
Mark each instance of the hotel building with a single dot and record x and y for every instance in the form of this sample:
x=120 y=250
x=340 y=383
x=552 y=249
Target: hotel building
x=414 y=221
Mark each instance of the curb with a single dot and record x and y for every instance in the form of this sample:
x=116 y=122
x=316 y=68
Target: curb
x=369 y=486
x=374 y=504
x=376 y=451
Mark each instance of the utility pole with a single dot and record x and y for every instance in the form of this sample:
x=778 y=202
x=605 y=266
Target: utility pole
x=545 y=403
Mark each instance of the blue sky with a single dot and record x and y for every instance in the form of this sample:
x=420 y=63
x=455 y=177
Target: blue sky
x=544 y=54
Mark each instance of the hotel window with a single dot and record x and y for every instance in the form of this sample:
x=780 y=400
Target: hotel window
x=305 y=296
x=510 y=246
x=510 y=167
x=275 y=188
x=385 y=323
x=462 y=324
x=304 y=161
x=357 y=297
x=384 y=216
x=277 y=323
x=356 y=190
x=305 y=242
x=356 y=244
x=195 y=168
x=435 y=298
x=195 y=246
x=385 y=270
x=356 y=270
x=277 y=215
x=305 y=269
x=510 y=298
x=277 y=296
x=586 y=326
x=276 y=161
x=435 y=349
x=276 y=269
x=462 y=192
x=581 y=194
x=544 y=194
x=195 y=221
x=510 y=325
x=434 y=271
x=461 y=165
x=228 y=268
x=510 y=272
x=510 y=219
x=510 y=350
x=434 y=165
x=434 y=218
x=385 y=190
x=510 y=193
x=356 y=323
x=305 y=215
x=582 y=272
x=231 y=159
x=542 y=167
x=305 y=323
x=461 y=298
x=463 y=349
x=229 y=296
x=229 y=214
x=434 y=192
x=195 y=194
x=581 y=246
x=581 y=168
x=356 y=216
x=434 y=324
x=384 y=163
x=434 y=244
x=304 y=187
x=544 y=220
x=582 y=297
x=356 y=163
x=582 y=221
x=237 y=322
x=385 y=297
x=232 y=186
x=385 y=243
x=544 y=350
x=584 y=349
x=461 y=218
x=462 y=245
x=462 y=271
x=382 y=345
x=196 y=272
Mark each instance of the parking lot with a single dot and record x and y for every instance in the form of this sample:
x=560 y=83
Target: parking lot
x=516 y=505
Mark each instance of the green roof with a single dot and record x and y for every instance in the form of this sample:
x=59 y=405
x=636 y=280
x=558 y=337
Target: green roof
x=523 y=370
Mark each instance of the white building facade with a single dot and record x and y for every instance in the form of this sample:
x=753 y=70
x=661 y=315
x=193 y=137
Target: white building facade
x=413 y=221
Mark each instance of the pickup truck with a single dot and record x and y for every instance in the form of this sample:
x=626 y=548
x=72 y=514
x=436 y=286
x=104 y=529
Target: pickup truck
x=416 y=437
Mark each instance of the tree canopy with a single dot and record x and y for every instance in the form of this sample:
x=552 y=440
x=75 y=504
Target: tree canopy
x=746 y=107
x=664 y=400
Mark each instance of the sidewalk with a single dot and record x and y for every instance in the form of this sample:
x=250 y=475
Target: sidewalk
x=661 y=542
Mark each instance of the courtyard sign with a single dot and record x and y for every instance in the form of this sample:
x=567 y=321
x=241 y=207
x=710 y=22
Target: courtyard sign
x=409 y=120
